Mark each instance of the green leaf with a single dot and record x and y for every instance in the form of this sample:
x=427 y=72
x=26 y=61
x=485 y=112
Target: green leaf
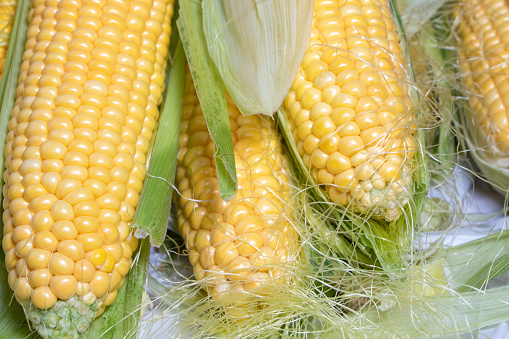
x=448 y=315
x=154 y=206
x=211 y=93
x=474 y=263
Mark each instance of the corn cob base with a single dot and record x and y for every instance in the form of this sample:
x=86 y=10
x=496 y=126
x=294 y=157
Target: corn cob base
x=66 y=319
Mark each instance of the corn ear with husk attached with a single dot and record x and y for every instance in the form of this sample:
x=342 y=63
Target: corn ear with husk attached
x=72 y=315
x=404 y=317
x=482 y=60
x=245 y=246
x=351 y=124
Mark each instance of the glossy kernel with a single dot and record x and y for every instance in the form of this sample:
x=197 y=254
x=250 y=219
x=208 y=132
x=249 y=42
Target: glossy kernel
x=60 y=264
x=64 y=286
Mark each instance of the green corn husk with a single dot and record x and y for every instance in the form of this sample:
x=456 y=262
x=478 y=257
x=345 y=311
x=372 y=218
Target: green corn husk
x=441 y=138
x=475 y=263
x=428 y=31
x=484 y=154
x=157 y=188
x=210 y=91
x=257 y=47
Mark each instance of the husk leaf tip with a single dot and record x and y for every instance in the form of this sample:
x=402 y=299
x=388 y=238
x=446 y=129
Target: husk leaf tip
x=257 y=47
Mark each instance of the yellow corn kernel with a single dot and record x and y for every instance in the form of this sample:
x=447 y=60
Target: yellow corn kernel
x=97 y=257
x=225 y=239
x=350 y=86
x=483 y=60
x=64 y=286
x=90 y=82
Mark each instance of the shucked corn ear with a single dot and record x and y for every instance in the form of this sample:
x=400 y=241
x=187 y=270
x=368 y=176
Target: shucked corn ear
x=7 y=11
x=350 y=109
x=90 y=83
x=484 y=56
x=244 y=244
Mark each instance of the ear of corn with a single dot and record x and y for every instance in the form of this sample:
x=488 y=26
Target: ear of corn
x=350 y=110
x=90 y=83
x=482 y=58
x=248 y=243
x=7 y=11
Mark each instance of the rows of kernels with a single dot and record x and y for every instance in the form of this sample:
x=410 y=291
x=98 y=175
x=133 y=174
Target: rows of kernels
x=247 y=242
x=349 y=105
x=7 y=12
x=88 y=75
x=484 y=54
x=142 y=122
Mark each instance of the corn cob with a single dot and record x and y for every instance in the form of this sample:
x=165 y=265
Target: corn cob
x=349 y=107
x=89 y=86
x=240 y=245
x=7 y=11
x=483 y=57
